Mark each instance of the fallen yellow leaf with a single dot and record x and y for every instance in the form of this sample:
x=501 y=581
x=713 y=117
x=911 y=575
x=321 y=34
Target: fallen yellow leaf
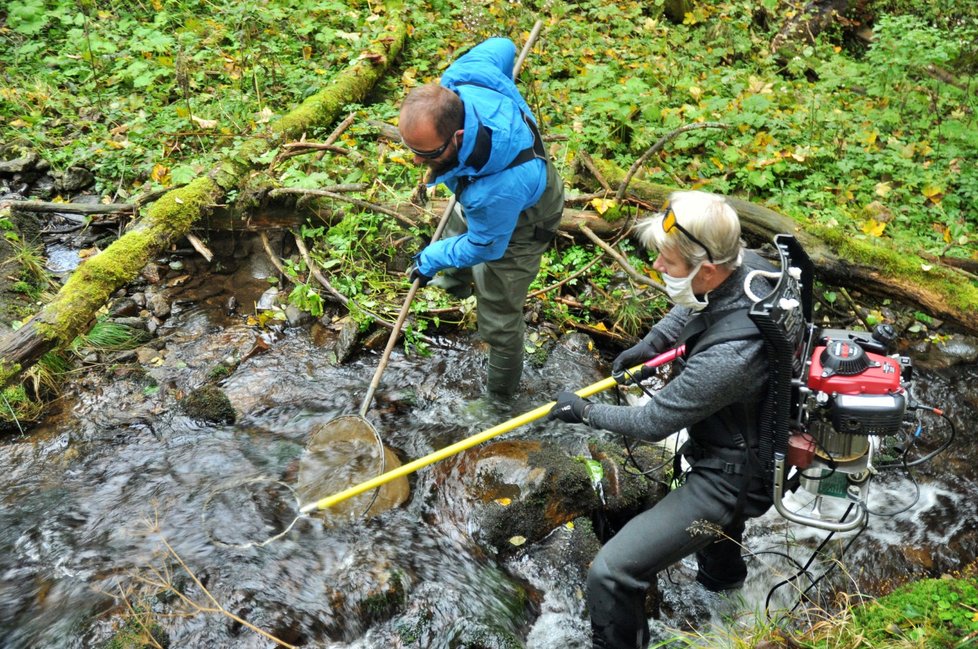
x=602 y=205
x=873 y=227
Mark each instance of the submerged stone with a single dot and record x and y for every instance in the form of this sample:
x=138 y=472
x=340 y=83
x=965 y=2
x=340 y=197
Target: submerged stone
x=209 y=403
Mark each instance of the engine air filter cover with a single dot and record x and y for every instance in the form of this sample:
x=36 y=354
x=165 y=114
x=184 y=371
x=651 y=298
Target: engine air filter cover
x=843 y=357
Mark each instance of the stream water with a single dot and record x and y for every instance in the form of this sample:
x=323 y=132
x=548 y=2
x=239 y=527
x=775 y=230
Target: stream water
x=117 y=495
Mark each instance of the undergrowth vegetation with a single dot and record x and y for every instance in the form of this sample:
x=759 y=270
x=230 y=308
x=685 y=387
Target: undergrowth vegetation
x=873 y=136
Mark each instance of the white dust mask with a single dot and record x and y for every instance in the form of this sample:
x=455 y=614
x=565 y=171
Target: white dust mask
x=680 y=289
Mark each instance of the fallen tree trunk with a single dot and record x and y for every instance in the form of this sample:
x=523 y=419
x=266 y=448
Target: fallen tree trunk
x=870 y=266
x=89 y=288
x=281 y=215
x=802 y=27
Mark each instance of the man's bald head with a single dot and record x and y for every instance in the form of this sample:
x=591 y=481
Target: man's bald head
x=432 y=106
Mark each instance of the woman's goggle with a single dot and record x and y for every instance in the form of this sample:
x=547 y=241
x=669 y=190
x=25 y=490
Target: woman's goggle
x=433 y=153
x=669 y=223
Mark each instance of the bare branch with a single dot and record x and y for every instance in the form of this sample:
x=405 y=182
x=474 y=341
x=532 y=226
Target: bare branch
x=655 y=148
x=355 y=201
x=614 y=254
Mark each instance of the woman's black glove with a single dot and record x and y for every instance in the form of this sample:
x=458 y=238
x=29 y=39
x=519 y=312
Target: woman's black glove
x=631 y=357
x=571 y=408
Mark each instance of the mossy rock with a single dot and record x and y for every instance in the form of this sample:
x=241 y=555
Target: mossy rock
x=209 y=403
x=940 y=610
x=528 y=489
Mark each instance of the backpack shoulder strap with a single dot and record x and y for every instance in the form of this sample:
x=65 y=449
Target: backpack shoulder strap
x=705 y=330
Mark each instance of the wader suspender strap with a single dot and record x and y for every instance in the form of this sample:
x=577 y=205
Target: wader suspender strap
x=483 y=147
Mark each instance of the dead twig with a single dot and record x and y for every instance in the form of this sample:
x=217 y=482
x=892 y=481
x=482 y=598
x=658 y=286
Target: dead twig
x=200 y=247
x=588 y=163
x=614 y=254
x=355 y=201
x=335 y=135
x=71 y=208
x=217 y=608
x=272 y=257
x=656 y=148
x=314 y=270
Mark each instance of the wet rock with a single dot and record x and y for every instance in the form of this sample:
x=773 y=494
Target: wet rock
x=268 y=299
x=26 y=161
x=135 y=322
x=125 y=308
x=339 y=338
x=158 y=303
x=295 y=316
x=43 y=187
x=523 y=490
x=953 y=350
x=520 y=491
x=152 y=273
x=74 y=179
x=374 y=594
x=626 y=491
x=147 y=355
x=209 y=403
x=377 y=339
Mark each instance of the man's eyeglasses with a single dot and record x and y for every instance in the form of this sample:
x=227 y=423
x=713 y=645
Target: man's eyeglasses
x=432 y=154
x=669 y=223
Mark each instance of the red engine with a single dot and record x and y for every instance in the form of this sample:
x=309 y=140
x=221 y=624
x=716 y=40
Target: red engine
x=856 y=391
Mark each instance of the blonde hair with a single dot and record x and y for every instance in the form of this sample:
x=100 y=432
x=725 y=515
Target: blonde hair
x=706 y=216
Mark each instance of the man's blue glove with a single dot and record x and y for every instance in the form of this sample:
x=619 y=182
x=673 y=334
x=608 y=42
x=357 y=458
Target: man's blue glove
x=571 y=408
x=631 y=357
x=416 y=275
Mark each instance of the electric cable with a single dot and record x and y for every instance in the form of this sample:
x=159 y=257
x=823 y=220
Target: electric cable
x=750 y=554
x=926 y=458
x=834 y=564
x=649 y=474
x=804 y=569
x=916 y=499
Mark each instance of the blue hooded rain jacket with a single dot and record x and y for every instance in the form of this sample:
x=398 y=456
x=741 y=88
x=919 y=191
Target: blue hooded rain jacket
x=493 y=200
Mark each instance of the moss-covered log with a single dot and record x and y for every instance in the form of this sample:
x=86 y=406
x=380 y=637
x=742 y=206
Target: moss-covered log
x=89 y=288
x=871 y=266
x=278 y=215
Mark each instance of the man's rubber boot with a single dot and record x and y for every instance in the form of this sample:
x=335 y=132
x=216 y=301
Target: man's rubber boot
x=504 y=374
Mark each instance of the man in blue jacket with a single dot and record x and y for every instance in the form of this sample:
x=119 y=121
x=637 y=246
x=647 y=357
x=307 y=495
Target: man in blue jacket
x=476 y=134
